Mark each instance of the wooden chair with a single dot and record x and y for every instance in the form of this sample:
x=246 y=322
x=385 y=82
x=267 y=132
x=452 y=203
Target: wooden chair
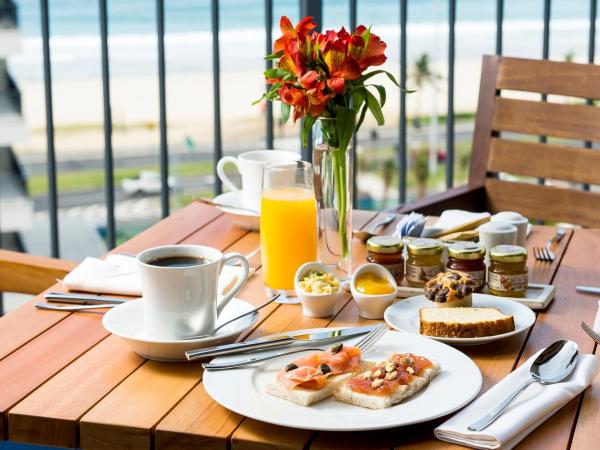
x=29 y=274
x=494 y=153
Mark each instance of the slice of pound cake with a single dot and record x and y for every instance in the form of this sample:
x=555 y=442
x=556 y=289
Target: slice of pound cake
x=464 y=322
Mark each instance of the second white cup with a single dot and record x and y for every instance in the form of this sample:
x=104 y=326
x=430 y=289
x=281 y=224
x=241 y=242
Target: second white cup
x=496 y=233
x=516 y=219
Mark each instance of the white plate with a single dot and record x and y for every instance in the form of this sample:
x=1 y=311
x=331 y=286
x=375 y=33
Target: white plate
x=127 y=321
x=243 y=390
x=242 y=218
x=404 y=315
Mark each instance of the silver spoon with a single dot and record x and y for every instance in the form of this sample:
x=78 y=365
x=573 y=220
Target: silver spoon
x=254 y=311
x=553 y=365
x=364 y=235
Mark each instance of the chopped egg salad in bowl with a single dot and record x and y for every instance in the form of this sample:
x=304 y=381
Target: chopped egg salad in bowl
x=317 y=289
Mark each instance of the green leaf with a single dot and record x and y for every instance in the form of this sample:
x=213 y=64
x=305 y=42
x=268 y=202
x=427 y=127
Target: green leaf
x=255 y=102
x=381 y=91
x=275 y=55
x=285 y=112
x=306 y=127
x=345 y=124
x=366 y=76
x=375 y=108
x=361 y=118
x=276 y=73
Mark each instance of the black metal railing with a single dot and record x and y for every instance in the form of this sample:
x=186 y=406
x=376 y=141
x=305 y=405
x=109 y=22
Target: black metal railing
x=8 y=14
x=307 y=7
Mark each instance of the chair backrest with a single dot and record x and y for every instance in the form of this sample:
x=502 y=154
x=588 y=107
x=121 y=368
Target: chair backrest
x=499 y=147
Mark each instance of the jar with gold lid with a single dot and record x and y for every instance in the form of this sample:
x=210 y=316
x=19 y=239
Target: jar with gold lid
x=387 y=251
x=467 y=257
x=424 y=261
x=507 y=274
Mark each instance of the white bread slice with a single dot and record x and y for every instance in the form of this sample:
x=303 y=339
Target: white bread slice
x=307 y=397
x=464 y=322
x=347 y=395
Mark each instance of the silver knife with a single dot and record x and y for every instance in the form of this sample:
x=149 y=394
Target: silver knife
x=81 y=299
x=278 y=341
x=588 y=289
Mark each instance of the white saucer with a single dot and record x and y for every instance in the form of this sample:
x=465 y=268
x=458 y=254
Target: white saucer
x=242 y=218
x=127 y=321
x=404 y=315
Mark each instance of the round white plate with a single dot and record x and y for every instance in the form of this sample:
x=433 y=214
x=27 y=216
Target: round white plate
x=242 y=218
x=127 y=321
x=404 y=315
x=243 y=390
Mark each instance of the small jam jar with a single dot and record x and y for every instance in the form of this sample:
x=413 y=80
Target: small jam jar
x=468 y=257
x=387 y=251
x=507 y=274
x=424 y=261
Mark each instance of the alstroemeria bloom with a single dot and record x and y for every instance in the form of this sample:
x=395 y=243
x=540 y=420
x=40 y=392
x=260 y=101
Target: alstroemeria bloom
x=299 y=33
x=309 y=80
x=371 y=54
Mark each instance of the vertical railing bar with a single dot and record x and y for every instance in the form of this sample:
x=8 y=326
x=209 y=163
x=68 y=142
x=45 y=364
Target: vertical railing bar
x=51 y=156
x=450 y=111
x=313 y=8
x=591 y=57
x=108 y=151
x=218 y=150
x=268 y=65
x=545 y=55
x=402 y=163
x=162 y=109
x=499 y=24
x=353 y=19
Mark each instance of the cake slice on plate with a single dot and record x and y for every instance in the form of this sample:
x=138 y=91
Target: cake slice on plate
x=464 y=322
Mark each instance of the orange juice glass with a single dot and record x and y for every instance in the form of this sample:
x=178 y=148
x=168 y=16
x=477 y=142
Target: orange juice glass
x=288 y=224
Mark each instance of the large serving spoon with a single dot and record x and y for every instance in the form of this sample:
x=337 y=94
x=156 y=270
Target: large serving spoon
x=553 y=365
x=364 y=236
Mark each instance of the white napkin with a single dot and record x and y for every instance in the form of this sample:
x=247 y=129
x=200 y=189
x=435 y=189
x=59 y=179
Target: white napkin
x=530 y=409
x=118 y=274
x=452 y=218
x=596 y=326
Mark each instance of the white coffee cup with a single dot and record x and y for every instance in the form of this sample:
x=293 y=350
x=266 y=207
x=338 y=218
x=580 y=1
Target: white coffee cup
x=516 y=219
x=251 y=165
x=183 y=301
x=496 y=233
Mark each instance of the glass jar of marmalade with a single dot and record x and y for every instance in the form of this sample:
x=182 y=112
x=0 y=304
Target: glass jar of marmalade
x=387 y=251
x=507 y=274
x=468 y=257
x=424 y=261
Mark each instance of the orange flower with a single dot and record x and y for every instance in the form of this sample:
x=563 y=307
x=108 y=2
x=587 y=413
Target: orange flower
x=305 y=26
x=371 y=54
x=309 y=80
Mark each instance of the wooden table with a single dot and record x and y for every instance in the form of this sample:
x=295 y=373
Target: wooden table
x=64 y=381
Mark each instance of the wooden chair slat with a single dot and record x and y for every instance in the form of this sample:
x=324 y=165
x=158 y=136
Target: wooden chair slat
x=550 y=77
x=549 y=202
x=548 y=119
x=533 y=159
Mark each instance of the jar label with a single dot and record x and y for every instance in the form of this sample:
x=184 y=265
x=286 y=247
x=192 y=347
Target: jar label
x=421 y=274
x=507 y=283
x=477 y=275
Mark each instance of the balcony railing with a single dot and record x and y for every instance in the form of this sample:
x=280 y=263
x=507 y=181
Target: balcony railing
x=8 y=14
x=307 y=7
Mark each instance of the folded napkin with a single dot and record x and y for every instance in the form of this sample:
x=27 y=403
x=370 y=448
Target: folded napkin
x=529 y=410
x=118 y=274
x=452 y=219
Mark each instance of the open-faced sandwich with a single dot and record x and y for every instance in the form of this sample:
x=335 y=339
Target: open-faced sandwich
x=388 y=383
x=315 y=377
x=450 y=289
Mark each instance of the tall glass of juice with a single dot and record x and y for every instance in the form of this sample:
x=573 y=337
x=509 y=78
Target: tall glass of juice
x=288 y=224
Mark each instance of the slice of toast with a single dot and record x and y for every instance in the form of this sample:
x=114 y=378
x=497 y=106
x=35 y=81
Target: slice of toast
x=307 y=397
x=347 y=395
x=464 y=322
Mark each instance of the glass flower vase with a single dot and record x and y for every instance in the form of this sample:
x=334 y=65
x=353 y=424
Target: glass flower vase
x=333 y=190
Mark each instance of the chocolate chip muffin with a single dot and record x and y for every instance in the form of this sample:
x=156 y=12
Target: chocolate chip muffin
x=450 y=289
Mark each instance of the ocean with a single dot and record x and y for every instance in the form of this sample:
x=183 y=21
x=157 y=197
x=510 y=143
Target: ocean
x=132 y=43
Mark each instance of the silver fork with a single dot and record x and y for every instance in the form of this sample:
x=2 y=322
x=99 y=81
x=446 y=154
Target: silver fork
x=595 y=336
x=546 y=253
x=364 y=345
